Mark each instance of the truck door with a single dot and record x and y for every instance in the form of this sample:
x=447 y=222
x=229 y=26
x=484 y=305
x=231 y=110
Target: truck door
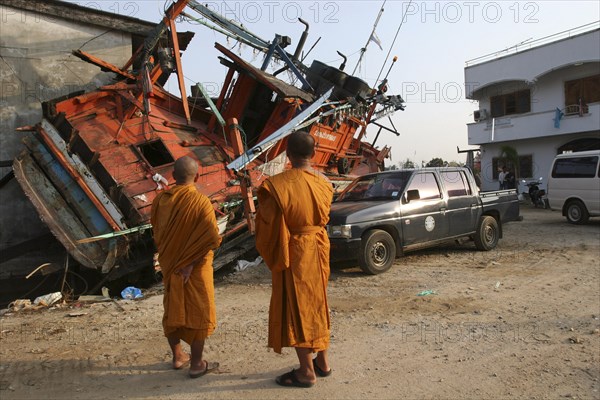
x=463 y=203
x=423 y=217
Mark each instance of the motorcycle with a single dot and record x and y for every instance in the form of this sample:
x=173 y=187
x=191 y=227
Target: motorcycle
x=536 y=195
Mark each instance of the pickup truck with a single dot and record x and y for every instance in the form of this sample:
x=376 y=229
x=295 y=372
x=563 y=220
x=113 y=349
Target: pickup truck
x=380 y=216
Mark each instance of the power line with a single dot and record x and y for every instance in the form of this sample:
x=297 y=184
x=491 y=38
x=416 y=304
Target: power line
x=394 y=41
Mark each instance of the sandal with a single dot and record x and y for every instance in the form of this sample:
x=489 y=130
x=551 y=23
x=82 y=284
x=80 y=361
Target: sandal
x=319 y=371
x=291 y=380
x=210 y=366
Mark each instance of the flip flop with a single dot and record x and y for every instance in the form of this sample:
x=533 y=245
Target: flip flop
x=319 y=371
x=291 y=380
x=210 y=366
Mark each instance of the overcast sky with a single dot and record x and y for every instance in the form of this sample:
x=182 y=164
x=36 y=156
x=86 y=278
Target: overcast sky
x=434 y=42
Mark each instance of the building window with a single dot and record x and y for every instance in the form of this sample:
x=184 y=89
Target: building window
x=581 y=92
x=525 y=166
x=513 y=103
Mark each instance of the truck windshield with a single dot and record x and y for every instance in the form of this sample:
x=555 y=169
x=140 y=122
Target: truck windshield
x=376 y=187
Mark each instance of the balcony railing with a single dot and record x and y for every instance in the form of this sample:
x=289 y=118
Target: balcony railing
x=576 y=109
x=526 y=45
x=535 y=125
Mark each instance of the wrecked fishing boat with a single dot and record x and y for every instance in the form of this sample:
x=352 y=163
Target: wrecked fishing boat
x=96 y=161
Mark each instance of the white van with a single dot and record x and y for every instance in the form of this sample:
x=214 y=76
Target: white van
x=574 y=185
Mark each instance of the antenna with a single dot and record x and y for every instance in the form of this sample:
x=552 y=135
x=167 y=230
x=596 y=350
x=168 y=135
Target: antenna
x=394 y=41
x=364 y=49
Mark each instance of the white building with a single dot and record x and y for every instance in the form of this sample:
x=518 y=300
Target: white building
x=539 y=99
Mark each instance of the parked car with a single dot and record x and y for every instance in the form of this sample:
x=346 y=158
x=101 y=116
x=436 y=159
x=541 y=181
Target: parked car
x=380 y=216
x=574 y=185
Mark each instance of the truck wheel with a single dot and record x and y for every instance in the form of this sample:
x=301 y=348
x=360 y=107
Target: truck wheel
x=343 y=166
x=576 y=212
x=488 y=234
x=377 y=252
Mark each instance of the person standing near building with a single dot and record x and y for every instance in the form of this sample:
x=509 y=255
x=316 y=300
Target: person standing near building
x=293 y=209
x=501 y=177
x=509 y=179
x=186 y=233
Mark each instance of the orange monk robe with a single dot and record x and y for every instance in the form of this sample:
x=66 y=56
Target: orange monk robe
x=293 y=209
x=185 y=231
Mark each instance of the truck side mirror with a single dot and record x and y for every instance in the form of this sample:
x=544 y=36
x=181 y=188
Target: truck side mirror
x=412 y=195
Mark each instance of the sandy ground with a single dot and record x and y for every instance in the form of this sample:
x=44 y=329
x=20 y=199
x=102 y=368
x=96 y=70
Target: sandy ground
x=521 y=321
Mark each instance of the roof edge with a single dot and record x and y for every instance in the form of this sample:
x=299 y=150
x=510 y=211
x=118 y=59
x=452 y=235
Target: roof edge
x=533 y=45
x=70 y=11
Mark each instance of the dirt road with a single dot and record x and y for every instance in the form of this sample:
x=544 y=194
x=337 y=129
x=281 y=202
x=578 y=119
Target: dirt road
x=520 y=321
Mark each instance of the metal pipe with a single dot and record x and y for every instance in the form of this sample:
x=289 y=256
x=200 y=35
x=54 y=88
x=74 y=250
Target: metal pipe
x=344 y=63
x=228 y=25
x=270 y=52
x=302 y=40
x=286 y=67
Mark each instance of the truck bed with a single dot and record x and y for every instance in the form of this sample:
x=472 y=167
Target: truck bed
x=503 y=203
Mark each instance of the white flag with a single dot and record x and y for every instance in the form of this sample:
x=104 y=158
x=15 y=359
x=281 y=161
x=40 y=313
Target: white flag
x=375 y=39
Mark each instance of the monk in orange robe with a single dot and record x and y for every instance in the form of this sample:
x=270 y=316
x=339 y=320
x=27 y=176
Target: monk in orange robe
x=293 y=209
x=185 y=232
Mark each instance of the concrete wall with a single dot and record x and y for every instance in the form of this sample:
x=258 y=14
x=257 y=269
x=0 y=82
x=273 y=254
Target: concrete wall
x=37 y=65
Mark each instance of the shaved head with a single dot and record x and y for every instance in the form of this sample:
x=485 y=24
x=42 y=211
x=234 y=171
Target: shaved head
x=185 y=171
x=300 y=145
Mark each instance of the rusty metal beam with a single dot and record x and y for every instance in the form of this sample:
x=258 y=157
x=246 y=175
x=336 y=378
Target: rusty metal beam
x=133 y=57
x=221 y=99
x=174 y=11
x=155 y=73
x=178 y=66
x=364 y=127
x=235 y=138
x=129 y=97
x=105 y=66
x=120 y=86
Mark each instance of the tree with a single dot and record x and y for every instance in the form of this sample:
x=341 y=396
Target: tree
x=510 y=156
x=437 y=162
x=407 y=164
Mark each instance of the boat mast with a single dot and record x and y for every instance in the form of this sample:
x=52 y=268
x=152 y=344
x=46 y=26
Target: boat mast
x=364 y=49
